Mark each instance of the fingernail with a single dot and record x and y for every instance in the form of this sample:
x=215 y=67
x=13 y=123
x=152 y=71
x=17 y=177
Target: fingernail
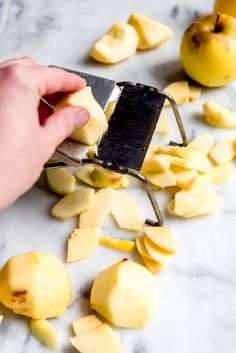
x=81 y=117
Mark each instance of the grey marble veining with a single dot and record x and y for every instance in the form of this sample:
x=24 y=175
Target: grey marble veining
x=197 y=307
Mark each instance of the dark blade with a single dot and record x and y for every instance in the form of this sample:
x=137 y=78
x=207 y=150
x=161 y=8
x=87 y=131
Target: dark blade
x=131 y=127
x=102 y=88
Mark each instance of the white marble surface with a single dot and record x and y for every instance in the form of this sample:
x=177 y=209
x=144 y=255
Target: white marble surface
x=197 y=309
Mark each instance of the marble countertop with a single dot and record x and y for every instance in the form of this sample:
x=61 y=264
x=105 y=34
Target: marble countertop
x=197 y=308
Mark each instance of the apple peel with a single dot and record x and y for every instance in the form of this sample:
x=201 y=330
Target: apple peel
x=118 y=244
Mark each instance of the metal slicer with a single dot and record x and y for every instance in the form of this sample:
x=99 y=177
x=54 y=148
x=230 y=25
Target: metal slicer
x=123 y=146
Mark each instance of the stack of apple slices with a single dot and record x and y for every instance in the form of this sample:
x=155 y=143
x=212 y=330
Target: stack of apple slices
x=92 y=335
x=156 y=247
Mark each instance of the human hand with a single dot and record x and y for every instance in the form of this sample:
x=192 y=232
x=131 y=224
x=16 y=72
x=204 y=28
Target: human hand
x=27 y=139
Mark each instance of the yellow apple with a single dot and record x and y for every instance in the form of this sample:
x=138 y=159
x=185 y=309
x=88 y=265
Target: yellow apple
x=151 y=32
x=119 y=43
x=125 y=294
x=36 y=285
x=225 y=6
x=208 y=50
x=44 y=332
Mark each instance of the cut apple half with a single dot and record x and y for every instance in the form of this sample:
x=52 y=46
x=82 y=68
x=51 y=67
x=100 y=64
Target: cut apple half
x=119 y=43
x=45 y=333
x=151 y=32
x=82 y=242
x=162 y=237
x=85 y=324
x=99 y=339
x=73 y=204
x=60 y=181
x=118 y=244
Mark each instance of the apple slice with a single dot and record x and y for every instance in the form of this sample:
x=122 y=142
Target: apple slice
x=162 y=180
x=163 y=127
x=97 y=124
x=179 y=91
x=224 y=150
x=203 y=142
x=201 y=164
x=85 y=324
x=221 y=173
x=161 y=237
x=151 y=33
x=217 y=115
x=103 y=178
x=1 y=318
x=118 y=244
x=156 y=164
x=152 y=265
x=100 y=207
x=45 y=333
x=183 y=176
x=73 y=204
x=60 y=181
x=110 y=109
x=82 y=242
x=194 y=93
x=169 y=150
x=84 y=175
x=100 y=340
x=119 y=43
x=125 y=294
x=156 y=252
x=125 y=212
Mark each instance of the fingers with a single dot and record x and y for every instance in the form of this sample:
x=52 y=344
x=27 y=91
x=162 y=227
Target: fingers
x=25 y=61
x=51 y=80
x=60 y=124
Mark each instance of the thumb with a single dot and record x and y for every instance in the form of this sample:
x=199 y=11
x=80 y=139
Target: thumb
x=63 y=122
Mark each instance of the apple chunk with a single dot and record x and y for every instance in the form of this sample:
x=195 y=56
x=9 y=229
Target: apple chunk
x=217 y=115
x=73 y=204
x=221 y=173
x=125 y=294
x=203 y=142
x=119 y=43
x=224 y=150
x=151 y=33
x=97 y=124
x=60 y=181
x=194 y=93
x=99 y=339
x=179 y=91
x=82 y=242
x=163 y=127
x=45 y=333
x=85 y=324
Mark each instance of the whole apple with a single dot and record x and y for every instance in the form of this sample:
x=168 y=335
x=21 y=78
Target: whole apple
x=208 y=50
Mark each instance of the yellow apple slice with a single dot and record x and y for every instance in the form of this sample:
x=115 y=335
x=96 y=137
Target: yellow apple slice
x=100 y=340
x=183 y=176
x=97 y=124
x=169 y=150
x=152 y=150
x=156 y=252
x=224 y=150
x=118 y=244
x=45 y=333
x=85 y=324
x=153 y=266
x=194 y=93
x=110 y=109
x=119 y=43
x=103 y=178
x=82 y=242
x=179 y=91
x=203 y=142
x=221 y=173
x=125 y=294
x=156 y=164
x=191 y=200
x=84 y=175
x=162 y=180
x=60 y=181
x=92 y=152
x=151 y=33
x=217 y=115
x=171 y=208
x=163 y=127
x=100 y=207
x=73 y=204
x=162 y=237
x=126 y=212
x=200 y=163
